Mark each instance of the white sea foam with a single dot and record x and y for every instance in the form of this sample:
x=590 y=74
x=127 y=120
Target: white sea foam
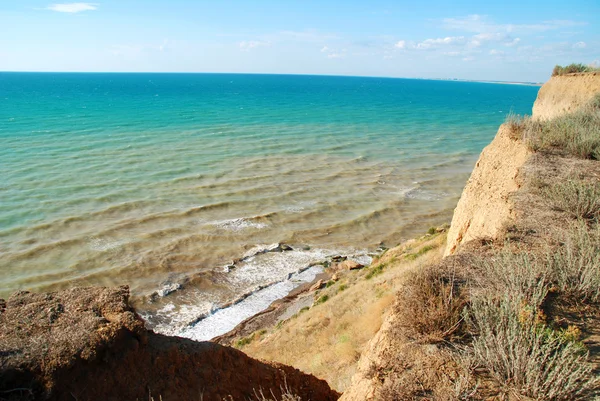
x=239 y=224
x=264 y=277
x=224 y=320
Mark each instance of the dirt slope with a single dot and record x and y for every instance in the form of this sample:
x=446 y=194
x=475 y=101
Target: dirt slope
x=89 y=344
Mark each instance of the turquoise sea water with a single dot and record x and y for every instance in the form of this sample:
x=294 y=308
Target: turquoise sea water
x=160 y=180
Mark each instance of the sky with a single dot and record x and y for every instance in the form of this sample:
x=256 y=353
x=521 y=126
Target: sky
x=504 y=40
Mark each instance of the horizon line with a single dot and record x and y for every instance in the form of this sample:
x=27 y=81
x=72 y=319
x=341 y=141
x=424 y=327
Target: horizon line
x=491 y=81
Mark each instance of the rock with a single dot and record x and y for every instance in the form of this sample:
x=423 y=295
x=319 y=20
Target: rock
x=338 y=258
x=350 y=265
x=90 y=344
x=285 y=247
x=168 y=289
x=335 y=277
x=317 y=286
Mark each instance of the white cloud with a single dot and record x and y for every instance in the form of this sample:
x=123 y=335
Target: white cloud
x=401 y=44
x=513 y=42
x=579 y=45
x=482 y=24
x=495 y=52
x=333 y=53
x=72 y=7
x=435 y=43
x=247 y=45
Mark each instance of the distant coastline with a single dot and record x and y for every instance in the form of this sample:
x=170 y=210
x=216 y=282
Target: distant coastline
x=487 y=81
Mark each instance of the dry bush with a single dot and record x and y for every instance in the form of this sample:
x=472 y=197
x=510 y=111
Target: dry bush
x=516 y=124
x=576 y=266
x=512 y=340
x=432 y=301
x=576 y=133
x=572 y=68
x=525 y=356
x=507 y=272
x=579 y=198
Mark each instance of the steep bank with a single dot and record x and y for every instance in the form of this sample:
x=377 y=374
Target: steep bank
x=89 y=344
x=427 y=350
x=484 y=205
x=565 y=93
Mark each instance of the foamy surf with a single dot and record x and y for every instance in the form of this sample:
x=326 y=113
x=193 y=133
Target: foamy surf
x=261 y=276
x=225 y=320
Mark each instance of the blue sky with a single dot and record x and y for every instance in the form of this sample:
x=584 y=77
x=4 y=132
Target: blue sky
x=495 y=40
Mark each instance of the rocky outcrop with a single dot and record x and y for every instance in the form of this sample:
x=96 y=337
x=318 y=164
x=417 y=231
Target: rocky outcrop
x=565 y=93
x=484 y=205
x=89 y=344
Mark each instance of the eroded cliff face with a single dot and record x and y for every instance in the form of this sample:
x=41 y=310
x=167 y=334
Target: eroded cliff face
x=563 y=94
x=485 y=206
x=89 y=344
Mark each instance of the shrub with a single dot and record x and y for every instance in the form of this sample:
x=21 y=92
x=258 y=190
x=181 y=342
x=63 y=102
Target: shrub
x=572 y=68
x=576 y=267
x=322 y=299
x=523 y=354
x=432 y=302
x=518 y=274
x=516 y=124
x=580 y=199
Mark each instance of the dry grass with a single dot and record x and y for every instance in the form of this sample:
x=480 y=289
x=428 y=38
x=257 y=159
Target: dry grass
x=524 y=355
x=432 y=302
x=572 y=68
x=576 y=265
x=512 y=339
x=576 y=133
x=327 y=340
x=578 y=198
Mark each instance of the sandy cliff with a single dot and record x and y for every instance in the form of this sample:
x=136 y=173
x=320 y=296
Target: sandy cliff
x=485 y=206
x=565 y=93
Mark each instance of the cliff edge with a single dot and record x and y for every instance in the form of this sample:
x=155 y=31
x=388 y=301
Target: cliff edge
x=485 y=206
x=89 y=344
x=565 y=93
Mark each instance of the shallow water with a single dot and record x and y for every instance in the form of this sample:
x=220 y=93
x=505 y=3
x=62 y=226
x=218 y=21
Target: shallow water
x=160 y=180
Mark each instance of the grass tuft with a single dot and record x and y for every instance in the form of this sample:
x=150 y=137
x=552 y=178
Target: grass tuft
x=576 y=266
x=578 y=198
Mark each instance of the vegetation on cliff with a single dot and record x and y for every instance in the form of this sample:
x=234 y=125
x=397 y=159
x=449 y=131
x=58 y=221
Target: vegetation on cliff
x=518 y=316
x=572 y=68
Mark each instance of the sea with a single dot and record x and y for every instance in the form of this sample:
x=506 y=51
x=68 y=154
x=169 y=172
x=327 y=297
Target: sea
x=212 y=195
